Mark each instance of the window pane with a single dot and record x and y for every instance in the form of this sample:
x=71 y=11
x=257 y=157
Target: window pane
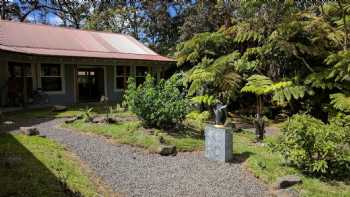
x=16 y=69
x=121 y=84
x=50 y=70
x=51 y=83
x=27 y=70
x=141 y=71
x=140 y=80
x=123 y=70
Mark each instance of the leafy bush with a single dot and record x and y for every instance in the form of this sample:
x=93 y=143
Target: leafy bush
x=159 y=104
x=129 y=95
x=197 y=119
x=315 y=147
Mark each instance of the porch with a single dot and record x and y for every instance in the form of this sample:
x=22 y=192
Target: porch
x=34 y=81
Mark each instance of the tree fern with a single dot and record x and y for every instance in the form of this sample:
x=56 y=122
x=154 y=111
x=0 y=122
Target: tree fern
x=340 y=101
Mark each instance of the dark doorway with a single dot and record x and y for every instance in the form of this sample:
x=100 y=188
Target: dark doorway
x=91 y=84
x=19 y=84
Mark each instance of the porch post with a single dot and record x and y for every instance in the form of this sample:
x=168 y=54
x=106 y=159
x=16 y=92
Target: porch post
x=25 y=92
x=75 y=84
x=3 y=80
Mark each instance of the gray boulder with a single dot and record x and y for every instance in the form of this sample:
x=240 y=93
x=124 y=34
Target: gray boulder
x=99 y=119
x=29 y=131
x=59 y=108
x=287 y=181
x=166 y=150
x=71 y=120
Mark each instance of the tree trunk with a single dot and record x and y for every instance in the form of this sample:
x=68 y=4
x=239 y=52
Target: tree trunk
x=259 y=121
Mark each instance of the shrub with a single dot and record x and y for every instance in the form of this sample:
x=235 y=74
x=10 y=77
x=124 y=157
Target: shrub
x=159 y=104
x=315 y=147
x=197 y=119
x=129 y=95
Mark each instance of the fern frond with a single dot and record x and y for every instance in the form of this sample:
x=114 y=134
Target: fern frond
x=208 y=100
x=340 y=101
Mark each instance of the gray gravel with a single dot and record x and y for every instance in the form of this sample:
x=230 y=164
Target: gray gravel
x=133 y=172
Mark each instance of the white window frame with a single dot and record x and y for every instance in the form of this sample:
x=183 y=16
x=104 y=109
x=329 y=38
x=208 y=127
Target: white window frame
x=115 y=75
x=149 y=68
x=62 y=76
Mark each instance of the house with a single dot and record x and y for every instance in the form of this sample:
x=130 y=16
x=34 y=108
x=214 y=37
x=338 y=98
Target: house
x=69 y=65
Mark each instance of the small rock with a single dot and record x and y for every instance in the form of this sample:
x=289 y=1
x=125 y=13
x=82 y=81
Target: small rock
x=287 y=181
x=8 y=122
x=290 y=192
x=29 y=131
x=99 y=119
x=112 y=120
x=71 y=120
x=166 y=150
x=59 y=108
x=161 y=140
x=42 y=136
x=79 y=117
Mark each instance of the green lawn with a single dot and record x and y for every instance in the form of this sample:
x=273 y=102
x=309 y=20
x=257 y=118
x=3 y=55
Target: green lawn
x=36 y=166
x=269 y=166
x=258 y=159
x=70 y=112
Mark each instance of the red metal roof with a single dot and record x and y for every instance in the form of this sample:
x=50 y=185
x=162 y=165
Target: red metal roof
x=57 y=41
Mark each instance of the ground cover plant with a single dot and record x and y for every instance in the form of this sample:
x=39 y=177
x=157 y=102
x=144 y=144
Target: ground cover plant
x=315 y=147
x=269 y=166
x=36 y=166
x=131 y=132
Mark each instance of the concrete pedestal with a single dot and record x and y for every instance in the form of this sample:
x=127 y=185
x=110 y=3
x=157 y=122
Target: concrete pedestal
x=218 y=143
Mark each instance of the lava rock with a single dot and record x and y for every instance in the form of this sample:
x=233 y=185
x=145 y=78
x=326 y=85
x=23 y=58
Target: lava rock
x=99 y=119
x=71 y=120
x=290 y=192
x=161 y=140
x=59 y=108
x=287 y=181
x=167 y=150
x=29 y=131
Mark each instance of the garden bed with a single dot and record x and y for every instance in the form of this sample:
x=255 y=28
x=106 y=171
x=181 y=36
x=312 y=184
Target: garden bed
x=133 y=133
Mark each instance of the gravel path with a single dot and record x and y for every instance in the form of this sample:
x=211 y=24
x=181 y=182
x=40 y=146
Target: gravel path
x=133 y=172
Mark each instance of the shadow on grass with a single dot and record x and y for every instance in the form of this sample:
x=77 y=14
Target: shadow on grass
x=239 y=158
x=10 y=123
x=186 y=132
x=22 y=174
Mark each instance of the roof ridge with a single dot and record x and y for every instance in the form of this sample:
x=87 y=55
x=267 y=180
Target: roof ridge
x=62 y=27
x=6 y=45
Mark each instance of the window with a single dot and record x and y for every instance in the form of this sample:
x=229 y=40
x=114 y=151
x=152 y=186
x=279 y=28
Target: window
x=122 y=74
x=141 y=73
x=51 y=76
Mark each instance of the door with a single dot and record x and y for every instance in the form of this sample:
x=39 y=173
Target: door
x=19 y=84
x=90 y=84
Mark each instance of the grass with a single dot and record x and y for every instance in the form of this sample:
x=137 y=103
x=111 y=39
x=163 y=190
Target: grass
x=257 y=159
x=36 y=166
x=70 y=112
x=269 y=166
x=132 y=133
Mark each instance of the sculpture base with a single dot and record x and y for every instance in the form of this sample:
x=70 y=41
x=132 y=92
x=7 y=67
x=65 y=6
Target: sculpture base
x=218 y=143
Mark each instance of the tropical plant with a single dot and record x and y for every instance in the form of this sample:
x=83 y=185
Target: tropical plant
x=315 y=147
x=160 y=104
x=129 y=94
